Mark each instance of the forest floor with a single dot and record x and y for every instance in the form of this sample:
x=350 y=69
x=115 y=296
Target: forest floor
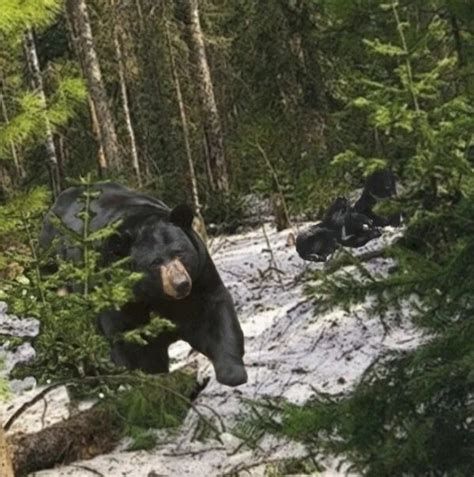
x=292 y=351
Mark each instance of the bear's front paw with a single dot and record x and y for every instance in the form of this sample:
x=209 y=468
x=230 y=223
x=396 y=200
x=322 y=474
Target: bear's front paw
x=231 y=375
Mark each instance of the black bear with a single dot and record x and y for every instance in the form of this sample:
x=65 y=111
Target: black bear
x=379 y=185
x=180 y=280
x=340 y=225
x=316 y=243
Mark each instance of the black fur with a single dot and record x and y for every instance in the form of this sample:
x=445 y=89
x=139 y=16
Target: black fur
x=152 y=234
x=350 y=226
x=378 y=186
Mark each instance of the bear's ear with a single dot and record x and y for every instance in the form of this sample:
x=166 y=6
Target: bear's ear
x=119 y=244
x=182 y=215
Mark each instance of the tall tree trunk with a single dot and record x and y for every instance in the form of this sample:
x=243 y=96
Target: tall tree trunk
x=80 y=19
x=61 y=158
x=6 y=469
x=126 y=107
x=101 y=159
x=184 y=126
x=457 y=40
x=210 y=115
x=74 y=46
x=37 y=81
x=151 y=71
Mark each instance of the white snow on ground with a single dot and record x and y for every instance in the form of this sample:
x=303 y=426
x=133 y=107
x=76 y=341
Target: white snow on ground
x=291 y=351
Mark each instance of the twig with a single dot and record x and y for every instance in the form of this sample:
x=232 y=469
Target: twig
x=43 y=416
x=272 y=255
x=220 y=244
x=30 y=403
x=89 y=469
x=349 y=351
x=216 y=414
x=320 y=337
x=193 y=453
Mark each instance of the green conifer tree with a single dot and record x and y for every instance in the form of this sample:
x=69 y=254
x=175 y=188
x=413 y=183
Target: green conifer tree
x=411 y=413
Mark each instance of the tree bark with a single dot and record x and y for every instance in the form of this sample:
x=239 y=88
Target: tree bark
x=457 y=40
x=210 y=115
x=80 y=19
x=126 y=108
x=101 y=159
x=85 y=435
x=61 y=158
x=6 y=468
x=37 y=81
x=200 y=226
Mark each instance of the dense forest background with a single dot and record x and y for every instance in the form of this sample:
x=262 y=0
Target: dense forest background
x=236 y=96
x=289 y=100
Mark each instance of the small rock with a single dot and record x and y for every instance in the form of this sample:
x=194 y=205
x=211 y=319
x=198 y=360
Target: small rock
x=18 y=386
x=230 y=440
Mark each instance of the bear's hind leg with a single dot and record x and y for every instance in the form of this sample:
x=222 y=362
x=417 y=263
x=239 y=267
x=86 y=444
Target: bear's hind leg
x=152 y=358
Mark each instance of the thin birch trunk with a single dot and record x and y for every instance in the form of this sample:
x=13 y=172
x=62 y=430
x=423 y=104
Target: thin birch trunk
x=210 y=115
x=101 y=159
x=61 y=158
x=126 y=109
x=108 y=136
x=37 y=80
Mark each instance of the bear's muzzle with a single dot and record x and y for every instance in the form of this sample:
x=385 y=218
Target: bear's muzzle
x=176 y=281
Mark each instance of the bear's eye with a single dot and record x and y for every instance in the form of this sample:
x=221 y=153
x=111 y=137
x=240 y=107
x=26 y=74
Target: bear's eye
x=156 y=262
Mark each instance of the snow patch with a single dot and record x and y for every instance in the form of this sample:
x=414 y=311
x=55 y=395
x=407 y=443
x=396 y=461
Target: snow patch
x=292 y=350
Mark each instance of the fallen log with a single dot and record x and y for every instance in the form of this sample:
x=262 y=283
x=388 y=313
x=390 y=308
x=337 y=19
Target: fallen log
x=99 y=429
x=83 y=436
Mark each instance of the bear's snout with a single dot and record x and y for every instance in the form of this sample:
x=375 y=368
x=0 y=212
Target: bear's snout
x=176 y=281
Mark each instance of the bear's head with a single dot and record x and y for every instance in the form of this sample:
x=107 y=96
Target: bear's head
x=164 y=249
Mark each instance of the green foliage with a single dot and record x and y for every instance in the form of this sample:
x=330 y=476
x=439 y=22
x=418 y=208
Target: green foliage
x=30 y=125
x=23 y=207
x=68 y=344
x=154 y=403
x=411 y=413
x=225 y=211
x=18 y=15
x=152 y=329
x=29 y=115
x=4 y=387
x=409 y=416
